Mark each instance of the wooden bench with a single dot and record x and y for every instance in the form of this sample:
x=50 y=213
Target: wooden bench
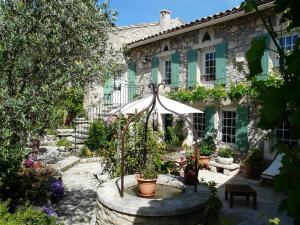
x=240 y=190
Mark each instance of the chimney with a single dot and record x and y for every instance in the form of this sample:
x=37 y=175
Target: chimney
x=164 y=20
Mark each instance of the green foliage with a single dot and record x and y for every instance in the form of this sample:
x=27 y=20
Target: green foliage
x=25 y=215
x=41 y=55
x=207 y=146
x=214 y=204
x=176 y=134
x=255 y=157
x=73 y=103
x=225 y=152
x=217 y=93
x=280 y=102
x=97 y=136
x=241 y=90
x=64 y=143
x=10 y=161
x=85 y=152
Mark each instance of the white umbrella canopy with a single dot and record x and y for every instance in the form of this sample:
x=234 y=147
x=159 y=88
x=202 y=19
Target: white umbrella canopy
x=139 y=105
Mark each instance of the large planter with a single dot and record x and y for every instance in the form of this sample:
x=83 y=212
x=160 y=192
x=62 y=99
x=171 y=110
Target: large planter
x=253 y=171
x=203 y=161
x=224 y=161
x=146 y=187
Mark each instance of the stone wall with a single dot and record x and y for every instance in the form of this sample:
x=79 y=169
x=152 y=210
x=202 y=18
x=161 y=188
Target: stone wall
x=237 y=33
x=106 y=216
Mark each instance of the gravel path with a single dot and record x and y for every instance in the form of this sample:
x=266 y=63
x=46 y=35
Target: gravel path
x=79 y=204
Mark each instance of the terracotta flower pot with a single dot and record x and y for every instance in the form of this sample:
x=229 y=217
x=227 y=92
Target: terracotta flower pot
x=203 y=161
x=146 y=187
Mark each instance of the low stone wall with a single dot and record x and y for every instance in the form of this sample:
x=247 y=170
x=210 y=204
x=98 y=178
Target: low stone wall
x=106 y=216
x=184 y=209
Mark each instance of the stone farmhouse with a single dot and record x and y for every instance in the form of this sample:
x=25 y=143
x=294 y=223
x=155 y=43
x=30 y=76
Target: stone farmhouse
x=206 y=52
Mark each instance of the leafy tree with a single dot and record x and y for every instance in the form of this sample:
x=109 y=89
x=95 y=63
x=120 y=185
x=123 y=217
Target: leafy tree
x=45 y=46
x=281 y=102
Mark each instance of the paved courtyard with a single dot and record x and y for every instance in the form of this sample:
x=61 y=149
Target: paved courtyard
x=79 y=204
x=242 y=212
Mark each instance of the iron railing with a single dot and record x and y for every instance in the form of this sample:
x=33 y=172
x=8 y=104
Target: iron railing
x=120 y=95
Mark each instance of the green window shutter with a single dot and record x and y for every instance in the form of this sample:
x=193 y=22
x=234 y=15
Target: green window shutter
x=175 y=70
x=242 y=121
x=154 y=69
x=108 y=88
x=265 y=61
x=131 y=80
x=209 y=119
x=221 y=63
x=192 y=56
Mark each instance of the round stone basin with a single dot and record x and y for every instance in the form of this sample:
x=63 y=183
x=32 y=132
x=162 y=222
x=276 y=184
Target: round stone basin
x=175 y=202
x=162 y=191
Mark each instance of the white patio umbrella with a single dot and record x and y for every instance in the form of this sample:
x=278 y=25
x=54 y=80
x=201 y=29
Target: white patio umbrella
x=139 y=105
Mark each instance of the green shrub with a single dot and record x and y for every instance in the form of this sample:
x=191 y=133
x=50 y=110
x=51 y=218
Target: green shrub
x=85 y=152
x=25 y=215
x=97 y=136
x=225 y=152
x=64 y=143
x=207 y=146
x=255 y=157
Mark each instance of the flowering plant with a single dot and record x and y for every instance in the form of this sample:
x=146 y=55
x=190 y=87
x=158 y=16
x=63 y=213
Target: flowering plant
x=57 y=190
x=49 y=211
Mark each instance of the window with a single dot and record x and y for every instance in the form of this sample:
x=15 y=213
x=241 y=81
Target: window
x=206 y=37
x=210 y=66
x=168 y=72
x=228 y=126
x=199 y=124
x=283 y=134
x=288 y=42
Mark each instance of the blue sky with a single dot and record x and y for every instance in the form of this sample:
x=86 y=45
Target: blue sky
x=141 y=11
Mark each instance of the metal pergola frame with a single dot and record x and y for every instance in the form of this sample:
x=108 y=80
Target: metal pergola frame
x=149 y=109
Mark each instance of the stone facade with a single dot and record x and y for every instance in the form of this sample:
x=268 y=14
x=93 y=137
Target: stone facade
x=238 y=34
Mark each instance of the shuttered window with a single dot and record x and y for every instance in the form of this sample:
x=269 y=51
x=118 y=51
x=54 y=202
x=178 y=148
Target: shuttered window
x=228 y=126
x=199 y=124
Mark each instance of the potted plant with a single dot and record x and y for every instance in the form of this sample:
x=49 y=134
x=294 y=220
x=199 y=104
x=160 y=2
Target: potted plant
x=189 y=170
x=64 y=145
x=148 y=159
x=206 y=149
x=225 y=156
x=254 y=163
x=146 y=179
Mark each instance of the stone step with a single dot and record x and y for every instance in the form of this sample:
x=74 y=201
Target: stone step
x=67 y=163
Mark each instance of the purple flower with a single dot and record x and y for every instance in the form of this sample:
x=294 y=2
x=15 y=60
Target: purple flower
x=28 y=163
x=49 y=211
x=57 y=189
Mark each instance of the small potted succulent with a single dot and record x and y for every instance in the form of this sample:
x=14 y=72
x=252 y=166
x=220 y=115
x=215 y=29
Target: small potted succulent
x=225 y=156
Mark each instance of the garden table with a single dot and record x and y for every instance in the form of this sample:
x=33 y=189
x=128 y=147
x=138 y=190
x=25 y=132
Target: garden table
x=240 y=190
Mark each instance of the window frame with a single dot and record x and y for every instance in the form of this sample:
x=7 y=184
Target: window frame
x=202 y=64
x=199 y=124
x=164 y=78
x=232 y=127
x=285 y=129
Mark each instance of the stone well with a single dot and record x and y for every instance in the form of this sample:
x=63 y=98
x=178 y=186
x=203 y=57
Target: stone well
x=186 y=208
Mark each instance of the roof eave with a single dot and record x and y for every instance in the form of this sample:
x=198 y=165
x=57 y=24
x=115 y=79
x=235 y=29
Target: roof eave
x=198 y=26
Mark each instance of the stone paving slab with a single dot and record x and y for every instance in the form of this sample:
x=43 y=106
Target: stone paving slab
x=67 y=163
x=78 y=207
